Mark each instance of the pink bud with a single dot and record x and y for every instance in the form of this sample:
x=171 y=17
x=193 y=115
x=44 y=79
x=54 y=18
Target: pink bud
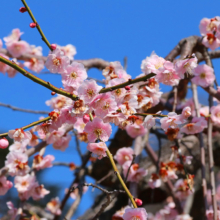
x=53 y=46
x=33 y=25
x=86 y=118
x=4 y=143
x=138 y=202
x=127 y=87
x=53 y=93
x=93 y=114
x=23 y=9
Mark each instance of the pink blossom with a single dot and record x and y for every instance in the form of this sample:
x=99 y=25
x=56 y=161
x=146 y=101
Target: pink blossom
x=115 y=70
x=149 y=121
x=57 y=62
x=75 y=193
x=135 y=214
x=186 y=65
x=104 y=104
x=203 y=75
x=211 y=41
x=86 y=118
x=39 y=192
x=135 y=130
x=152 y=64
x=17 y=163
x=3 y=66
x=54 y=206
x=15 y=36
x=186 y=113
x=208 y=25
x=18 y=48
x=154 y=181
x=12 y=212
x=181 y=189
x=59 y=139
x=5 y=185
x=196 y=126
x=4 y=143
x=69 y=50
x=188 y=103
x=115 y=118
x=25 y=185
x=88 y=90
x=18 y=146
x=79 y=125
x=118 y=215
x=124 y=154
x=98 y=149
x=79 y=108
x=167 y=74
x=19 y=134
x=59 y=102
x=142 y=100
x=204 y=111
x=98 y=130
x=215 y=114
x=171 y=121
x=41 y=162
x=34 y=64
x=135 y=174
x=75 y=74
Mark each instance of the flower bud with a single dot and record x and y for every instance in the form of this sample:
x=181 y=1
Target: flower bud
x=86 y=118
x=53 y=46
x=23 y=9
x=138 y=202
x=33 y=25
x=127 y=88
x=4 y=143
x=72 y=166
x=53 y=93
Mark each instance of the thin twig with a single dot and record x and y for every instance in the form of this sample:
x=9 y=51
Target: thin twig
x=30 y=125
x=23 y=110
x=38 y=26
x=78 y=146
x=132 y=162
x=175 y=91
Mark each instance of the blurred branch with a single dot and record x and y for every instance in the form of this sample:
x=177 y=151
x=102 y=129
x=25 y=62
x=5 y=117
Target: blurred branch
x=23 y=110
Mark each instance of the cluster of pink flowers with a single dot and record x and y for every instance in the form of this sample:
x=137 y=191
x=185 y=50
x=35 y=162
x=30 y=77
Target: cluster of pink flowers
x=210 y=29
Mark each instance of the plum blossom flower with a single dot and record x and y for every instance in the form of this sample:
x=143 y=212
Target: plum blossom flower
x=57 y=62
x=149 y=121
x=215 y=114
x=19 y=134
x=18 y=48
x=211 y=41
x=152 y=64
x=25 y=185
x=104 y=104
x=171 y=121
x=17 y=163
x=135 y=174
x=97 y=130
x=75 y=193
x=135 y=214
x=12 y=212
x=59 y=139
x=135 y=130
x=15 y=36
x=154 y=181
x=88 y=90
x=34 y=64
x=59 y=102
x=4 y=143
x=18 y=146
x=41 y=162
x=203 y=75
x=124 y=154
x=79 y=125
x=197 y=125
x=119 y=214
x=39 y=192
x=181 y=189
x=204 y=111
x=99 y=149
x=69 y=50
x=186 y=112
x=186 y=65
x=115 y=118
x=208 y=25
x=75 y=74
x=54 y=206
x=5 y=185
x=167 y=74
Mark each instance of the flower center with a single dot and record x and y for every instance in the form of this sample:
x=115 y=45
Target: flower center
x=73 y=75
x=118 y=92
x=90 y=92
x=98 y=132
x=189 y=126
x=57 y=61
x=202 y=75
x=218 y=115
x=136 y=218
x=24 y=183
x=106 y=106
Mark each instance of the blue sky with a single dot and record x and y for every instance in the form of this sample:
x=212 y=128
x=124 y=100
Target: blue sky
x=106 y=29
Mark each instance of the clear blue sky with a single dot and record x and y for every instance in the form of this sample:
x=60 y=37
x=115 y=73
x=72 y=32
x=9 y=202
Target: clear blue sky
x=105 y=29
